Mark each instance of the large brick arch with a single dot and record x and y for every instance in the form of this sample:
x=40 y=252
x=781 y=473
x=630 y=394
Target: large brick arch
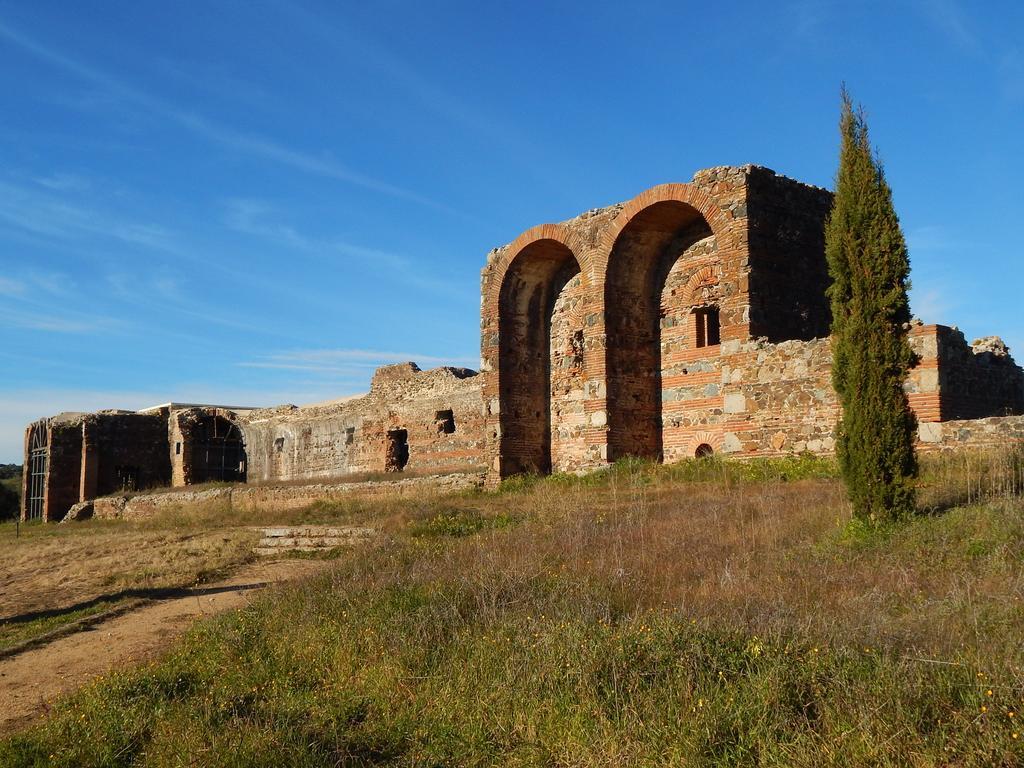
x=521 y=286
x=686 y=194
x=557 y=233
x=633 y=257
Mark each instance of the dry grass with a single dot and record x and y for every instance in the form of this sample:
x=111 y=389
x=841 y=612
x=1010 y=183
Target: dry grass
x=698 y=614
x=363 y=477
x=58 y=571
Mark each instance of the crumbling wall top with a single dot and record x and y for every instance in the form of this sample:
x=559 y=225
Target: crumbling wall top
x=405 y=380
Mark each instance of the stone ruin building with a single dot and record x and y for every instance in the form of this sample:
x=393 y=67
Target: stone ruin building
x=691 y=320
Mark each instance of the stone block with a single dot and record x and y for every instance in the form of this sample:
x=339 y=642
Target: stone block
x=735 y=402
x=929 y=432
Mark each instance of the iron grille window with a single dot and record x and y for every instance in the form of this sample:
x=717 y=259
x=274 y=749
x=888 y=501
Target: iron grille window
x=220 y=453
x=39 y=455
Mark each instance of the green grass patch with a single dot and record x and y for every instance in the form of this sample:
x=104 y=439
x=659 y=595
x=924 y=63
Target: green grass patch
x=634 y=471
x=455 y=522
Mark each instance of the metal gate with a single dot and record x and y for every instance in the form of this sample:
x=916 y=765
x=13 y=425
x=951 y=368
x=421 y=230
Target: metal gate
x=38 y=458
x=221 y=452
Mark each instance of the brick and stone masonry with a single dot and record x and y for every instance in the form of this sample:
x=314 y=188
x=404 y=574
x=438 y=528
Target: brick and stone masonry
x=692 y=319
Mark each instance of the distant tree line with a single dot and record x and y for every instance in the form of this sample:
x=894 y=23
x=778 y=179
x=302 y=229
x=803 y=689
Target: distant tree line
x=10 y=487
x=10 y=470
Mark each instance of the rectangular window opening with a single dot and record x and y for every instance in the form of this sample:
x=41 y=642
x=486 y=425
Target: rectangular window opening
x=445 y=422
x=397 y=450
x=350 y=435
x=707 y=327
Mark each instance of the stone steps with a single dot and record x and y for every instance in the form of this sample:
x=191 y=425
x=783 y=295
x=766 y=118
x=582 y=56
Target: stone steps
x=310 y=538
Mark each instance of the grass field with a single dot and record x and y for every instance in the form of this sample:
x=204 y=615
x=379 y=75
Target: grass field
x=56 y=574
x=699 y=614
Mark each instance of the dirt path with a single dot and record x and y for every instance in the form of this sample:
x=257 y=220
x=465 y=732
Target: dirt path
x=31 y=679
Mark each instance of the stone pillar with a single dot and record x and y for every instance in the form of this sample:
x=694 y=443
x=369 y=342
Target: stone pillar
x=25 y=474
x=47 y=517
x=90 y=463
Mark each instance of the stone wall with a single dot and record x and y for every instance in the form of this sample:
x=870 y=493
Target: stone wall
x=253 y=498
x=205 y=444
x=922 y=386
x=567 y=385
x=692 y=318
x=438 y=410
x=979 y=380
x=778 y=398
x=954 y=381
x=63 y=481
x=98 y=453
x=992 y=431
x=630 y=305
x=789 y=274
x=123 y=452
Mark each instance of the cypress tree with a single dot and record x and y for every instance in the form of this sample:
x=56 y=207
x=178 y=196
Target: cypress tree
x=870 y=270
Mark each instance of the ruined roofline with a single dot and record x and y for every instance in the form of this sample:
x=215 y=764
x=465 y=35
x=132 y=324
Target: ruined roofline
x=700 y=176
x=383 y=377
x=992 y=344
x=175 y=406
x=77 y=417
x=409 y=370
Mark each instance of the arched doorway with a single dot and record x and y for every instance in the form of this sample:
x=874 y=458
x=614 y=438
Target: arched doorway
x=218 y=454
x=660 y=304
x=38 y=460
x=540 y=356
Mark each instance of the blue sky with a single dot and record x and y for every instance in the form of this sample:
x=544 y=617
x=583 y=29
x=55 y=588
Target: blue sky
x=258 y=202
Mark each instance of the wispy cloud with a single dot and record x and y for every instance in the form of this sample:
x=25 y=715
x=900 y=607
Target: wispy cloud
x=261 y=147
x=53 y=283
x=949 y=17
x=32 y=301
x=261 y=219
x=9 y=287
x=64 y=182
x=49 y=216
x=54 y=323
x=166 y=294
x=502 y=133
